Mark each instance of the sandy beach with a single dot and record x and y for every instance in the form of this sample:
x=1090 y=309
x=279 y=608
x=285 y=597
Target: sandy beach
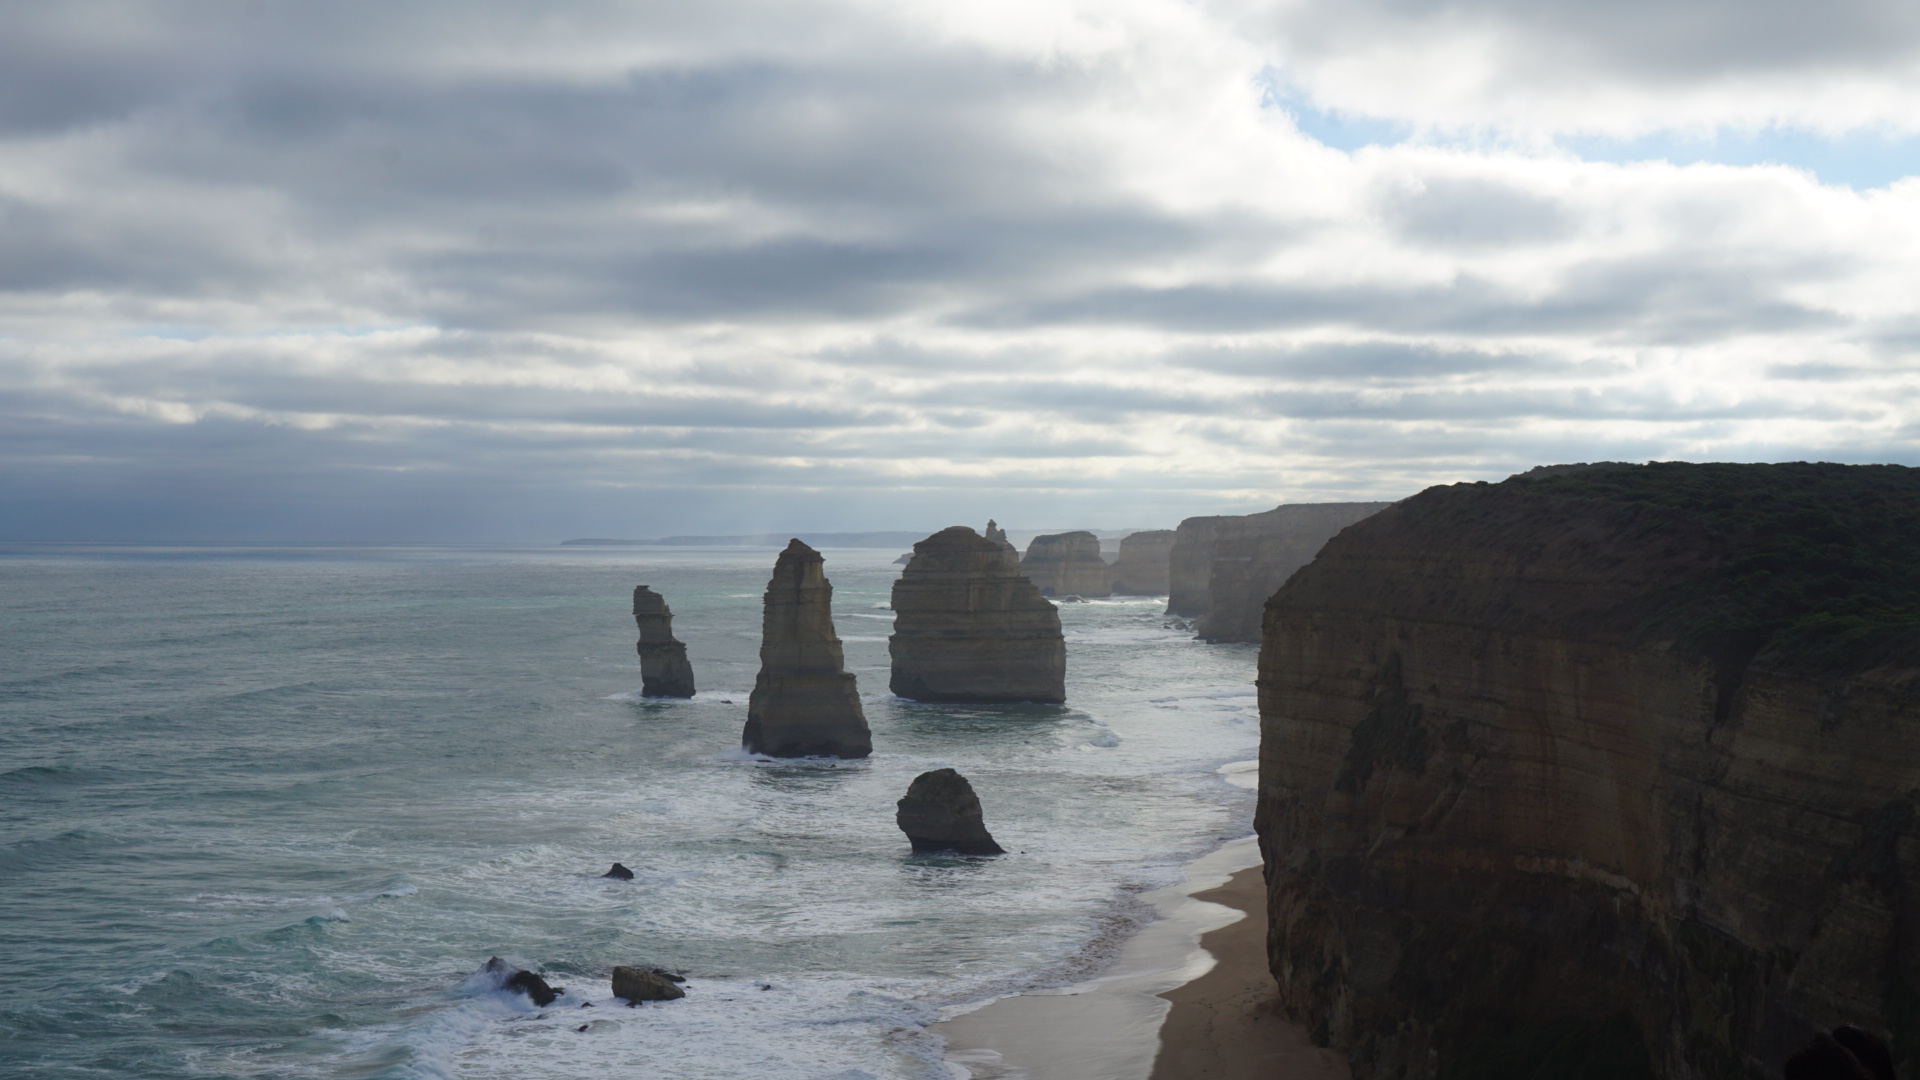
x=1189 y=997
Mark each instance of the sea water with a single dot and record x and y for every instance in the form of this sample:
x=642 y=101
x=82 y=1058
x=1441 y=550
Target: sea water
x=265 y=811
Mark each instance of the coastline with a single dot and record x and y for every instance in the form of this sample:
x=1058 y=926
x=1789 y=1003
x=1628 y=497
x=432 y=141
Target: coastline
x=1183 y=1000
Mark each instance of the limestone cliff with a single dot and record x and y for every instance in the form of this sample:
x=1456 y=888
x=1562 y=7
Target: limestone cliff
x=804 y=703
x=1256 y=554
x=1067 y=564
x=664 y=670
x=1615 y=767
x=1142 y=567
x=968 y=626
x=1189 y=565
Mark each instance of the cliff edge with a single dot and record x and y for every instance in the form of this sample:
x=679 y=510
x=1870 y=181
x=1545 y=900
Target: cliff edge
x=1254 y=555
x=1615 y=766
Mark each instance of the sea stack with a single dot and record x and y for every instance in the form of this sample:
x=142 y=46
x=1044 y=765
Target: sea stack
x=1060 y=564
x=969 y=627
x=664 y=671
x=1254 y=555
x=941 y=813
x=804 y=703
x=1605 y=765
x=1189 y=565
x=998 y=535
x=1142 y=567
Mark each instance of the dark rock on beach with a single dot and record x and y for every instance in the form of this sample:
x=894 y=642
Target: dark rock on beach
x=664 y=670
x=637 y=984
x=968 y=627
x=941 y=813
x=805 y=702
x=619 y=873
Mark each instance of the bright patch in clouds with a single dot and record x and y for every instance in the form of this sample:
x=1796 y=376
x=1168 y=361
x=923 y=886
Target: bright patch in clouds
x=407 y=270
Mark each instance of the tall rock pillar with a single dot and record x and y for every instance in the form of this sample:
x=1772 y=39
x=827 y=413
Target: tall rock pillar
x=664 y=671
x=804 y=703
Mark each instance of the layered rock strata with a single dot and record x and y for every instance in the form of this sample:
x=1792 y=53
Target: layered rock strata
x=664 y=670
x=1063 y=563
x=1189 y=565
x=1615 y=767
x=804 y=703
x=1142 y=567
x=1256 y=554
x=940 y=812
x=968 y=627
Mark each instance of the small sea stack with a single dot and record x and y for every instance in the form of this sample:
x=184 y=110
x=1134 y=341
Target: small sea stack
x=1143 y=564
x=804 y=703
x=1062 y=563
x=998 y=536
x=638 y=984
x=941 y=813
x=619 y=873
x=664 y=670
x=969 y=627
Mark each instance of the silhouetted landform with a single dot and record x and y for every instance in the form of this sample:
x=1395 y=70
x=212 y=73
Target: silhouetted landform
x=1256 y=554
x=852 y=540
x=619 y=873
x=637 y=984
x=1613 y=765
x=1062 y=563
x=940 y=812
x=664 y=670
x=969 y=627
x=804 y=703
x=1143 y=563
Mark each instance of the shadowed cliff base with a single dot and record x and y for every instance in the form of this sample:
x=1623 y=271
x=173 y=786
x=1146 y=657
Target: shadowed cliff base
x=804 y=703
x=970 y=628
x=1612 y=765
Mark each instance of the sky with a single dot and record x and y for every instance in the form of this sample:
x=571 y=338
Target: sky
x=515 y=272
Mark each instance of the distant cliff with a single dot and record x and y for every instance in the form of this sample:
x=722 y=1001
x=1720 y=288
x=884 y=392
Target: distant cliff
x=1141 y=569
x=1256 y=554
x=1067 y=564
x=1614 y=766
x=1190 y=565
x=968 y=627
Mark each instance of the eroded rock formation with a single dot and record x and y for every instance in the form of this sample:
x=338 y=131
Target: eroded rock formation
x=940 y=812
x=998 y=536
x=1143 y=563
x=1620 y=761
x=638 y=984
x=804 y=703
x=1062 y=563
x=1189 y=565
x=967 y=626
x=664 y=670
x=1256 y=554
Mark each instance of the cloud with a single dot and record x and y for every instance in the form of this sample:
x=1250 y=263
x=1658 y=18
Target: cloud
x=524 y=271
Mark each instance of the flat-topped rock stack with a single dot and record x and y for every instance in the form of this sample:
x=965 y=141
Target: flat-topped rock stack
x=805 y=702
x=1067 y=564
x=1143 y=564
x=969 y=627
x=664 y=670
x=1254 y=555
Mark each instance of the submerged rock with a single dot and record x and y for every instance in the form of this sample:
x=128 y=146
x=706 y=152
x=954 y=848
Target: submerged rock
x=805 y=703
x=664 y=670
x=968 y=627
x=941 y=813
x=520 y=981
x=1142 y=567
x=1062 y=563
x=619 y=873
x=637 y=984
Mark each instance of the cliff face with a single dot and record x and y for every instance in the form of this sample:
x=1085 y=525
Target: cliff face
x=1144 y=559
x=664 y=670
x=969 y=627
x=1256 y=554
x=804 y=702
x=1067 y=564
x=1618 y=766
x=1189 y=565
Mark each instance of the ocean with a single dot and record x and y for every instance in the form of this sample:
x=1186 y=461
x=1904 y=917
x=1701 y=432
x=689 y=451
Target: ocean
x=264 y=811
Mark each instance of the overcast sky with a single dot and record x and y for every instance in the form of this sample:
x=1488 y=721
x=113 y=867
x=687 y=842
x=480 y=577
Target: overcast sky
x=522 y=271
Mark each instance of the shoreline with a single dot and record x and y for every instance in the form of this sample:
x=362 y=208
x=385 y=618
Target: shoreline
x=1169 y=1008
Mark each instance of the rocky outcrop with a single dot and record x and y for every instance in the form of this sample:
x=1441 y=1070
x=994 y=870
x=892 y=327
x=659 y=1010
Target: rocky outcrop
x=804 y=703
x=638 y=984
x=967 y=626
x=1142 y=567
x=619 y=873
x=940 y=812
x=1062 y=563
x=1189 y=565
x=1256 y=554
x=998 y=536
x=507 y=977
x=1616 y=765
x=664 y=671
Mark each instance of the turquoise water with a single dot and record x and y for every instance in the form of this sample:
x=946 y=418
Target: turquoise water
x=263 y=811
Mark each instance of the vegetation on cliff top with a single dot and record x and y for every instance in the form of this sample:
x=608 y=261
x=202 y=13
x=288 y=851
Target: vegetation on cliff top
x=1818 y=565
